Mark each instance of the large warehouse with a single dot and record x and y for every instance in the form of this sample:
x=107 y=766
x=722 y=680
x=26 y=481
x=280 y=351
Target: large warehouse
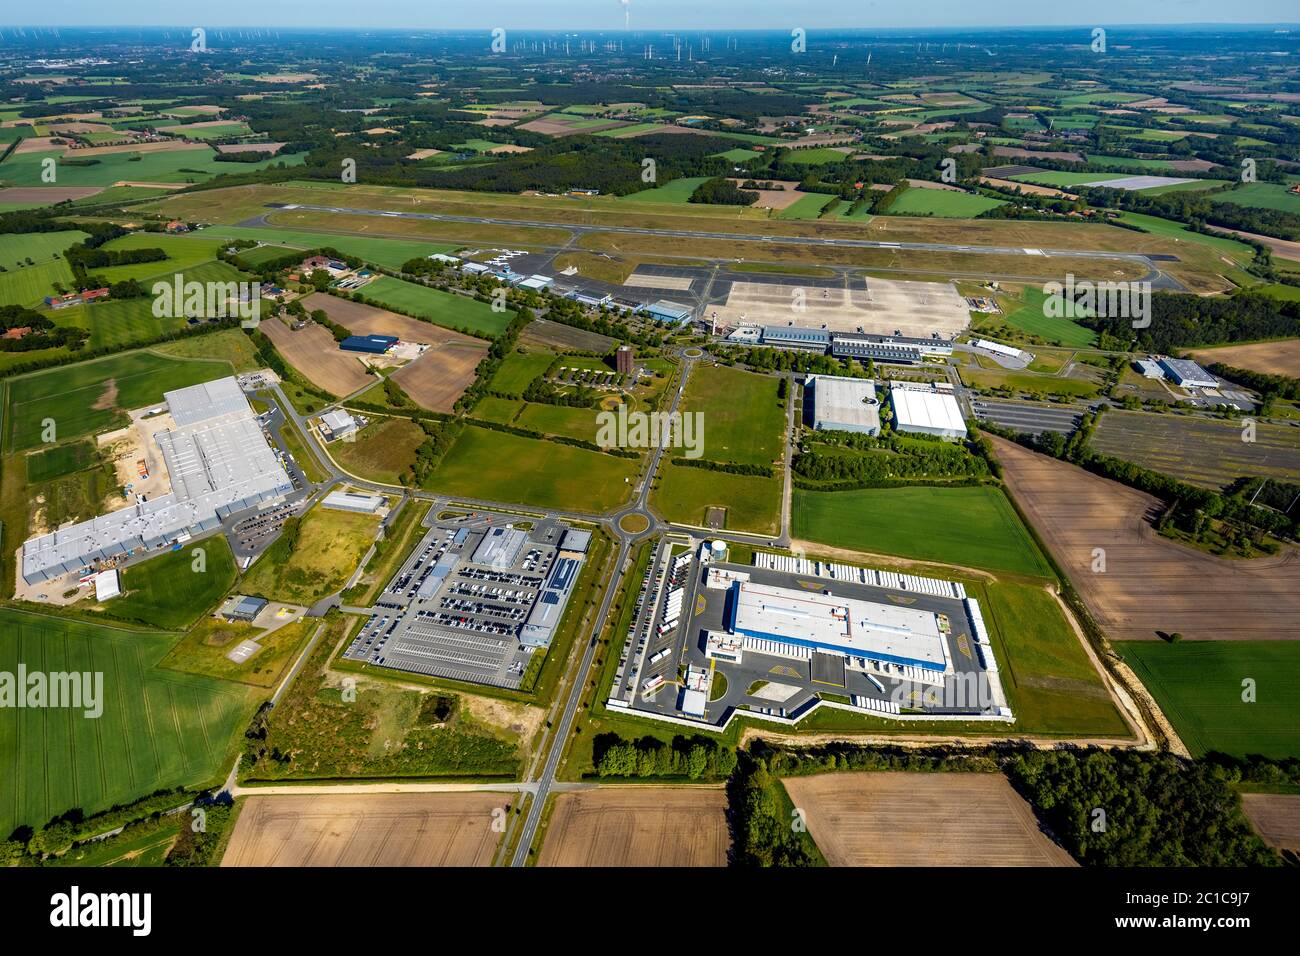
x=844 y=404
x=836 y=625
x=1187 y=373
x=926 y=410
x=219 y=464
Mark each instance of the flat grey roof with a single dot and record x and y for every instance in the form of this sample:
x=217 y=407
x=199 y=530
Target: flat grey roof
x=843 y=401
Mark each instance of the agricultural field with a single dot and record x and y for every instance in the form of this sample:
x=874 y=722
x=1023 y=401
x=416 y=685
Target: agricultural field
x=1200 y=687
x=158 y=728
x=169 y=592
x=943 y=203
x=678 y=190
x=438 y=378
x=1271 y=358
x=179 y=163
x=1204 y=452
x=638 y=826
x=59 y=460
x=385 y=829
x=92 y=397
x=442 y=308
x=922 y=819
x=29 y=285
x=316 y=561
x=969 y=527
x=315 y=354
x=1262 y=196
x=1275 y=817
x=542 y=473
x=1202 y=597
x=39 y=247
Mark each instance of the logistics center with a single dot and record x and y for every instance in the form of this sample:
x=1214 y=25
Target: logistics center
x=836 y=625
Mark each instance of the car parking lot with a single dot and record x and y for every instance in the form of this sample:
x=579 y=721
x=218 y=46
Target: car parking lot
x=449 y=613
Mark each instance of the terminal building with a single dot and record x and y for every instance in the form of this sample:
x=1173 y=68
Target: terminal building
x=926 y=410
x=219 y=464
x=844 y=404
x=804 y=622
x=796 y=337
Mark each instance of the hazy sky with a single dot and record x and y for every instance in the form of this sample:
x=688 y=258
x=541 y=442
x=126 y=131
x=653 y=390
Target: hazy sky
x=645 y=14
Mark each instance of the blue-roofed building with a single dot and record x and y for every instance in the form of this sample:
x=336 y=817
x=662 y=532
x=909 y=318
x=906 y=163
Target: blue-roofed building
x=665 y=311
x=796 y=337
x=371 y=344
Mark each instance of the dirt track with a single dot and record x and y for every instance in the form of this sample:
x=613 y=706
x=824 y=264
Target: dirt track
x=1150 y=585
x=389 y=829
x=922 y=819
x=638 y=826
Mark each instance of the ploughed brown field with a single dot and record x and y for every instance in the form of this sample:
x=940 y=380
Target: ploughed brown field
x=553 y=335
x=1276 y=817
x=922 y=819
x=1271 y=358
x=1150 y=586
x=370 y=829
x=438 y=377
x=313 y=352
x=638 y=826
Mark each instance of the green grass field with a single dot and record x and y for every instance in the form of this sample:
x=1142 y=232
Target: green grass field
x=805 y=207
x=679 y=190
x=1030 y=318
x=685 y=494
x=1052 y=685
x=973 y=527
x=170 y=166
x=37 y=246
x=383 y=451
x=442 y=308
x=499 y=466
x=158 y=728
x=59 y=460
x=169 y=592
x=559 y=420
x=391 y=253
x=942 y=203
x=1199 y=686
x=1262 y=196
x=742 y=421
x=91 y=397
x=816 y=156
x=519 y=369
x=29 y=285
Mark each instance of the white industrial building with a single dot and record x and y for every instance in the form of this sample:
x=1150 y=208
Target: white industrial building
x=351 y=501
x=500 y=548
x=337 y=424
x=844 y=404
x=219 y=464
x=926 y=410
x=810 y=621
